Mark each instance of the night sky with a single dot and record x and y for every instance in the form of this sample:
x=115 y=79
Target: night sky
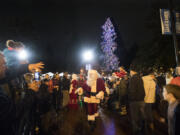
x=57 y=31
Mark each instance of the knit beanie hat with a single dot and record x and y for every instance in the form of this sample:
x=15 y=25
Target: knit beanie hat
x=173 y=89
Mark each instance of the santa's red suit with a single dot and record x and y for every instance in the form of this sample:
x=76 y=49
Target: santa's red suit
x=72 y=92
x=93 y=91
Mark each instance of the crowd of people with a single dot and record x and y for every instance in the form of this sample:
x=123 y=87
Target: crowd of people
x=143 y=96
x=147 y=96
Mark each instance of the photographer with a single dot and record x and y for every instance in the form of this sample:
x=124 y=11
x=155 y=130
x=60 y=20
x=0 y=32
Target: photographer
x=15 y=67
x=7 y=111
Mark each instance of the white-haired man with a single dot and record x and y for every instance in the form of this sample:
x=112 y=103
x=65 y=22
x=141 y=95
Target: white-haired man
x=93 y=91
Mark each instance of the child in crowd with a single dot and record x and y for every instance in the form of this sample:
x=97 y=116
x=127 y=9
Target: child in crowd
x=171 y=94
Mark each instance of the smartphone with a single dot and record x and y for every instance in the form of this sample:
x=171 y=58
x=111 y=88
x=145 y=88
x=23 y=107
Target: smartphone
x=37 y=76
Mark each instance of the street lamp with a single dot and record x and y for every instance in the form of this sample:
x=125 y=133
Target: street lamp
x=173 y=29
x=88 y=56
x=23 y=55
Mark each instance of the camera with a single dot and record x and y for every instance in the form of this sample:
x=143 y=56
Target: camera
x=37 y=76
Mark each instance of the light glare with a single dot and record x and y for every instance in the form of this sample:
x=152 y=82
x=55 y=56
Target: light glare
x=88 y=55
x=23 y=55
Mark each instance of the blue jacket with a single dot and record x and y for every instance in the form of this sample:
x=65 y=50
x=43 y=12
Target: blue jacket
x=14 y=67
x=11 y=57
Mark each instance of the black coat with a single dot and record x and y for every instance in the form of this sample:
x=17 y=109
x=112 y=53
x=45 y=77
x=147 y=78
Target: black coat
x=122 y=88
x=136 y=89
x=174 y=120
x=177 y=120
x=7 y=115
x=65 y=83
x=7 y=107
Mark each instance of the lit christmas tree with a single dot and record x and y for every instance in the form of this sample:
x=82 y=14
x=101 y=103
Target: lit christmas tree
x=109 y=45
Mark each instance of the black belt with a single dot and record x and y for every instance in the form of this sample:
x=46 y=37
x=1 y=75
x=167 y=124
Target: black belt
x=91 y=93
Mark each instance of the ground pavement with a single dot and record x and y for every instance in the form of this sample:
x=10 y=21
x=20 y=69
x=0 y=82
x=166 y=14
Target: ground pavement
x=74 y=122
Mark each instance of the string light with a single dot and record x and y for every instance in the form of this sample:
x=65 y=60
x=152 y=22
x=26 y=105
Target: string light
x=109 y=45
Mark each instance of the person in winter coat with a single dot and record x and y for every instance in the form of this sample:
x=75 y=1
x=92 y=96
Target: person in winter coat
x=150 y=96
x=11 y=53
x=15 y=66
x=73 y=102
x=81 y=82
x=7 y=111
x=136 y=96
x=65 y=89
x=171 y=94
x=57 y=93
x=122 y=92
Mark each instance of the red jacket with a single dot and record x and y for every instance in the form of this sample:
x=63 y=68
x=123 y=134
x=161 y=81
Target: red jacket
x=176 y=81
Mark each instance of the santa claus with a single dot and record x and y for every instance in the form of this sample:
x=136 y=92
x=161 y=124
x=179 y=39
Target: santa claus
x=93 y=91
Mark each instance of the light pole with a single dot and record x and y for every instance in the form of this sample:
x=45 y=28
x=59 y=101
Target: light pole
x=173 y=29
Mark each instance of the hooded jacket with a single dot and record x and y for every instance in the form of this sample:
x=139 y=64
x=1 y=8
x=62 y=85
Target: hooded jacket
x=150 y=89
x=14 y=67
x=136 y=89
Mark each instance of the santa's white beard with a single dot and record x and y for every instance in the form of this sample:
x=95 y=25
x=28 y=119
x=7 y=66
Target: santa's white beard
x=92 y=77
x=91 y=82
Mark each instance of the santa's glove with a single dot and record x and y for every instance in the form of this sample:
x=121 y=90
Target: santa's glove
x=79 y=91
x=100 y=95
x=107 y=91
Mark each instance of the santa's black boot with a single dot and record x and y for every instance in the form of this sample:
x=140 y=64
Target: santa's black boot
x=90 y=123
x=93 y=126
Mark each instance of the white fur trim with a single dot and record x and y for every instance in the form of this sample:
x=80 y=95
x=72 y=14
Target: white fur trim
x=100 y=95
x=86 y=99
x=91 y=118
x=76 y=91
x=79 y=91
x=71 y=87
x=91 y=99
x=96 y=114
x=107 y=90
